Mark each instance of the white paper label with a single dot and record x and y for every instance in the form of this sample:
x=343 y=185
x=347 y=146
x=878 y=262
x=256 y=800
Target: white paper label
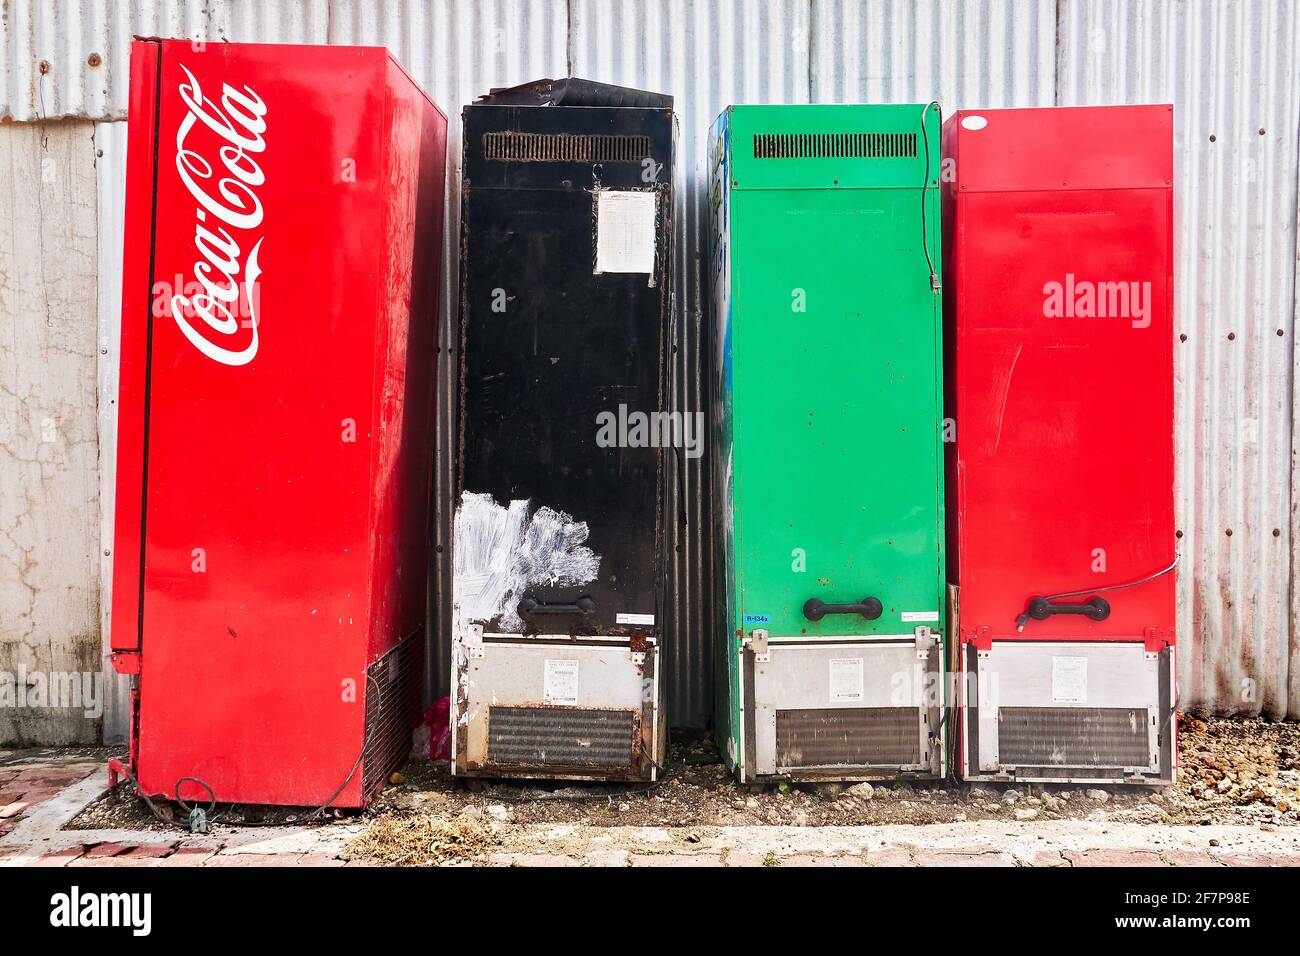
x=1070 y=680
x=846 y=680
x=625 y=231
x=634 y=618
x=561 y=683
x=920 y=617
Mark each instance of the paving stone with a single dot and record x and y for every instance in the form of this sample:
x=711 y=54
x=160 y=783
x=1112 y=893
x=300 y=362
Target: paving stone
x=57 y=857
x=928 y=857
x=1108 y=857
x=821 y=859
x=1257 y=859
x=1188 y=858
x=123 y=861
x=531 y=859
x=606 y=858
x=11 y=810
x=1044 y=858
x=108 y=849
x=887 y=856
x=317 y=859
x=676 y=859
x=151 y=849
x=189 y=856
x=253 y=859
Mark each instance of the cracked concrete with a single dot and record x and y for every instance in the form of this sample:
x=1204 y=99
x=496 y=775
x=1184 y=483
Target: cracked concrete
x=49 y=447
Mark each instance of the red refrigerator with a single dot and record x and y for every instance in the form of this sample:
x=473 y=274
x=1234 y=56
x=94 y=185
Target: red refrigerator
x=276 y=430
x=1062 y=542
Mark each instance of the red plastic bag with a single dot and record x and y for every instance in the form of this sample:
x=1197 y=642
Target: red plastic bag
x=437 y=718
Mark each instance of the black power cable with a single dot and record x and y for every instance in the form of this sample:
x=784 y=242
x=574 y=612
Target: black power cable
x=1023 y=619
x=935 y=284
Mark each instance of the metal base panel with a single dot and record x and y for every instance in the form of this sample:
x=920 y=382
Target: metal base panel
x=847 y=709
x=1068 y=712
x=556 y=707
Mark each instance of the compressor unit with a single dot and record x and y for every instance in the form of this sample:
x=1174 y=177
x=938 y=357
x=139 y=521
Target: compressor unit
x=557 y=546
x=828 y=468
x=1060 y=286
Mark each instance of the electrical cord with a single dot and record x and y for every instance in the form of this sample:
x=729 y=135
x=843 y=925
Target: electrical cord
x=1023 y=618
x=211 y=817
x=935 y=285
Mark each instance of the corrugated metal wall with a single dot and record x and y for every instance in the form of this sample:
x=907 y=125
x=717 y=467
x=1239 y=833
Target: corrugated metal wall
x=1231 y=68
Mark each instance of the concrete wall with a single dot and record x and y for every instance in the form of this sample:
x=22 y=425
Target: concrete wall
x=49 y=447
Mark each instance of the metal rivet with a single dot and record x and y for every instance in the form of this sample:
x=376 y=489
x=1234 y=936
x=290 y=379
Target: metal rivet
x=1178 y=534
x=1277 y=532
x=1231 y=336
x=1183 y=337
x=1212 y=137
x=94 y=60
x=1228 y=532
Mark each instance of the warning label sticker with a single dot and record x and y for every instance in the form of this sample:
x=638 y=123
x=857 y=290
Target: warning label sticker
x=560 y=685
x=625 y=231
x=1070 y=680
x=846 y=680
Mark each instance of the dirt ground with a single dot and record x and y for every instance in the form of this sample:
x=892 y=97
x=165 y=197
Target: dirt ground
x=1231 y=772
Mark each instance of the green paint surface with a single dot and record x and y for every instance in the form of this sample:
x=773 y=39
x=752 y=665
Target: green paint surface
x=829 y=385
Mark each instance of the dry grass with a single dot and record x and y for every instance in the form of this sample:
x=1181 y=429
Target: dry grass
x=422 y=839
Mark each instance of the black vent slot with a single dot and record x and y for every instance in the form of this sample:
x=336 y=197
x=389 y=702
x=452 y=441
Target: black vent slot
x=561 y=737
x=1074 y=737
x=565 y=148
x=833 y=145
x=848 y=737
x=392 y=710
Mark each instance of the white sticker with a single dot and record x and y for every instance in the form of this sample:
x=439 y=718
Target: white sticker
x=846 y=680
x=1070 y=680
x=561 y=683
x=974 y=123
x=625 y=231
x=634 y=618
x=920 y=617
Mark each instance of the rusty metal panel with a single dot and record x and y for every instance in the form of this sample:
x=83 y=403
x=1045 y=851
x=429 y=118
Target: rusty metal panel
x=62 y=59
x=1232 y=71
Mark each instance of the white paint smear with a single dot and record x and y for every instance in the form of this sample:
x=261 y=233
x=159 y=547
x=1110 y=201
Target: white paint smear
x=499 y=552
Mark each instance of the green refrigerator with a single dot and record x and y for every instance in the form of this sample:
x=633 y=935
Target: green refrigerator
x=828 y=390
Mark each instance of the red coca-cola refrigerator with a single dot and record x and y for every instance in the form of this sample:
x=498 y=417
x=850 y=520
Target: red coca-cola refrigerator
x=276 y=430
x=1059 y=289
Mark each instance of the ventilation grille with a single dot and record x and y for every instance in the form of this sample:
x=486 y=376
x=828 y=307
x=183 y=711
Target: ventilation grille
x=1074 y=737
x=561 y=737
x=848 y=737
x=392 y=710
x=565 y=148
x=829 y=145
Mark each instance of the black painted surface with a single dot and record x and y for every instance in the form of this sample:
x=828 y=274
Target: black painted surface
x=569 y=345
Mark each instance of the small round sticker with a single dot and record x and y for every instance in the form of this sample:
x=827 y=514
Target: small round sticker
x=973 y=122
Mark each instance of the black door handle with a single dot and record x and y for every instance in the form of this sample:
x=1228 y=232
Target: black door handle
x=529 y=606
x=1040 y=609
x=815 y=609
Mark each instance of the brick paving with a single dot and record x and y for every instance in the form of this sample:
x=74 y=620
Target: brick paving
x=36 y=801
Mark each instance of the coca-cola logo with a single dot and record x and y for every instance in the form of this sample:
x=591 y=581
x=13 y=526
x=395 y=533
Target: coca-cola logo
x=225 y=279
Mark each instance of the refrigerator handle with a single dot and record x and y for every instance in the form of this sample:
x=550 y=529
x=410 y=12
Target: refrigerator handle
x=815 y=609
x=531 y=606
